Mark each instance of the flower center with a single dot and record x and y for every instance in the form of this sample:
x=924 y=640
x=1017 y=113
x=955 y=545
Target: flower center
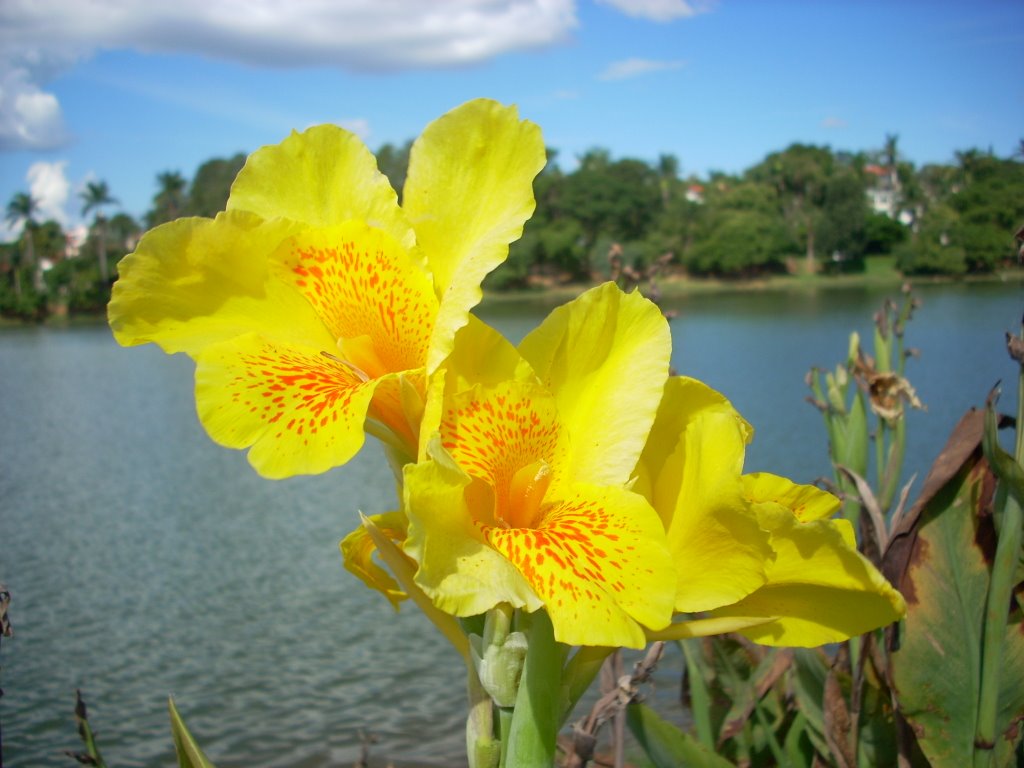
x=519 y=506
x=359 y=353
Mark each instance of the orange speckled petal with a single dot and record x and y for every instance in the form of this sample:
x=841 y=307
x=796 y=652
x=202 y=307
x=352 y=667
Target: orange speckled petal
x=599 y=562
x=371 y=296
x=492 y=433
x=301 y=412
x=458 y=570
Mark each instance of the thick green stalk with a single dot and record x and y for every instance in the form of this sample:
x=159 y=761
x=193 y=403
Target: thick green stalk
x=537 y=716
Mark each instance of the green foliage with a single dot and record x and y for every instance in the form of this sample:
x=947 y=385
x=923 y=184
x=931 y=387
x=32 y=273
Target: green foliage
x=740 y=243
x=76 y=284
x=937 y=247
x=92 y=755
x=666 y=745
x=882 y=234
x=189 y=753
x=208 y=193
x=393 y=162
x=842 y=226
x=969 y=226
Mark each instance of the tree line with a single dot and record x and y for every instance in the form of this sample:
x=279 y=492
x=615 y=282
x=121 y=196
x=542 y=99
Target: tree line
x=802 y=209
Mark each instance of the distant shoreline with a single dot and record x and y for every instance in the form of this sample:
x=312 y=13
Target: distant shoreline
x=670 y=288
x=677 y=287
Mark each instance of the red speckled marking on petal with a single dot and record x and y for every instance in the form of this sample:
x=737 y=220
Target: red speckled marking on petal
x=494 y=433
x=361 y=283
x=293 y=391
x=580 y=555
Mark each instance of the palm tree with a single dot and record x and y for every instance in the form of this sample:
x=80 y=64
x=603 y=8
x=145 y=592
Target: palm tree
x=169 y=200
x=668 y=175
x=96 y=195
x=22 y=210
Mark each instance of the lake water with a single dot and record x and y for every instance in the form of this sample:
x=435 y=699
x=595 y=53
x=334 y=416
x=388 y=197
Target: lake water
x=144 y=561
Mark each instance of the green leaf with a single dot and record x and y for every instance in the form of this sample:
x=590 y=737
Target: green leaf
x=940 y=560
x=696 y=686
x=189 y=753
x=666 y=745
x=92 y=751
x=798 y=747
x=809 y=691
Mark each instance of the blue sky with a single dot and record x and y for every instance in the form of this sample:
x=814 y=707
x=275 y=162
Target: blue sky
x=120 y=90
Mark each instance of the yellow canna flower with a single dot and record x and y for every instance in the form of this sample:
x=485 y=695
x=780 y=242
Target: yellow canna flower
x=755 y=545
x=522 y=495
x=819 y=587
x=315 y=305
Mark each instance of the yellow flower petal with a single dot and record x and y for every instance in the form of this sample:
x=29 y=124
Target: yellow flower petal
x=820 y=587
x=458 y=569
x=358 y=548
x=404 y=570
x=468 y=193
x=683 y=400
x=196 y=282
x=692 y=467
x=370 y=295
x=605 y=357
x=320 y=177
x=481 y=356
x=805 y=501
x=493 y=434
x=598 y=561
x=301 y=411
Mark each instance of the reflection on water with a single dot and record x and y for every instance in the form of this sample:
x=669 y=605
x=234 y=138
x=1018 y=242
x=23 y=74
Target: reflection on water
x=145 y=561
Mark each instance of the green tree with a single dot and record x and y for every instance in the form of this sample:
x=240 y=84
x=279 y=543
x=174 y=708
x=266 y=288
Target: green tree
x=842 y=226
x=95 y=197
x=799 y=174
x=393 y=162
x=740 y=243
x=618 y=199
x=22 y=210
x=668 y=176
x=169 y=201
x=208 y=193
x=937 y=247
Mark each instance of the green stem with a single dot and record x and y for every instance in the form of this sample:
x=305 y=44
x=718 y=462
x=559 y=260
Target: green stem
x=536 y=719
x=996 y=615
x=482 y=751
x=1004 y=567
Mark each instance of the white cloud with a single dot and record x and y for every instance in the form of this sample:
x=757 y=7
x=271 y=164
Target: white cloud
x=41 y=38
x=30 y=118
x=833 y=122
x=661 y=10
x=622 y=70
x=48 y=184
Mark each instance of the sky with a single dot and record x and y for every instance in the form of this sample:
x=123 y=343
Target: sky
x=122 y=90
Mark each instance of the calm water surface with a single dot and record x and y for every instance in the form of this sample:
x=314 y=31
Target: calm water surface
x=144 y=561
